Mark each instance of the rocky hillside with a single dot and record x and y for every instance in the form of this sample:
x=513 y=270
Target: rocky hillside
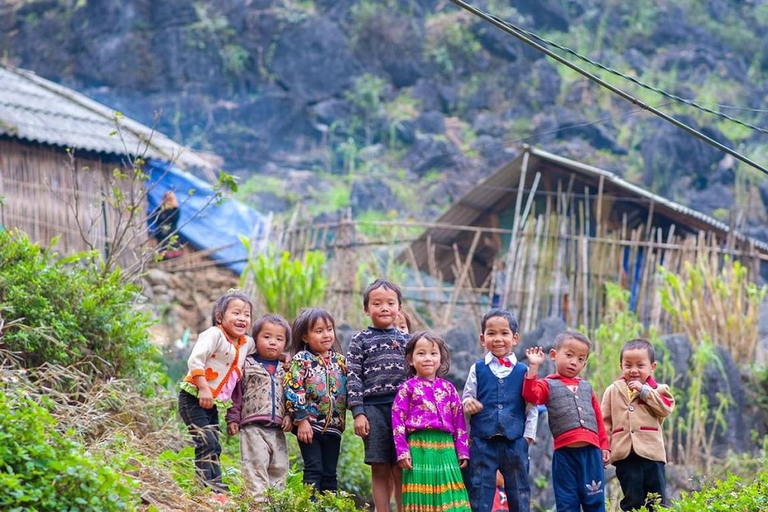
x=400 y=105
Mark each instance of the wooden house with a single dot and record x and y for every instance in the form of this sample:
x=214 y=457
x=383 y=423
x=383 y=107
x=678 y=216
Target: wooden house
x=556 y=230
x=61 y=154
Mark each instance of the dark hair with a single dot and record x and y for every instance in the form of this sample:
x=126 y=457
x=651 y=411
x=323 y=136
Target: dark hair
x=306 y=321
x=407 y=320
x=445 y=356
x=381 y=283
x=564 y=336
x=220 y=306
x=639 y=344
x=502 y=313
x=272 y=319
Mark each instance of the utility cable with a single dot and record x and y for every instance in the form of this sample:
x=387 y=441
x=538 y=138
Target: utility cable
x=634 y=80
x=515 y=32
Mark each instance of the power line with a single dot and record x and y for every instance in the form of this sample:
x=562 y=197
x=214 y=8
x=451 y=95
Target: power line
x=517 y=33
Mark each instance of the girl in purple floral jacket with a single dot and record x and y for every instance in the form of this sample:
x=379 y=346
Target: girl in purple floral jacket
x=430 y=432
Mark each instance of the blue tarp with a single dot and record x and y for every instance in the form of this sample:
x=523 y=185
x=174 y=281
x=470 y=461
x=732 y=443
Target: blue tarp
x=203 y=223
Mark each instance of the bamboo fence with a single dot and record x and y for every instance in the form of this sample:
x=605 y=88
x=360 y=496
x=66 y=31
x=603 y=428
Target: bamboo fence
x=556 y=269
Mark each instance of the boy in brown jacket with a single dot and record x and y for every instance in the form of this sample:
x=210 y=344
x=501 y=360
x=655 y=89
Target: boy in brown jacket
x=634 y=408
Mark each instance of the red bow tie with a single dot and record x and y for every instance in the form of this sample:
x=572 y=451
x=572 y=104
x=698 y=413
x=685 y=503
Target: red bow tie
x=504 y=361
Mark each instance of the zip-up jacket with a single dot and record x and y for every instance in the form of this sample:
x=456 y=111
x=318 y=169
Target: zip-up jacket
x=316 y=389
x=259 y=396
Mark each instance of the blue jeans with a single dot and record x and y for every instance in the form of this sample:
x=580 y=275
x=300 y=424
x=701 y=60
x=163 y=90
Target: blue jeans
x=510 y=456
x=203 y=424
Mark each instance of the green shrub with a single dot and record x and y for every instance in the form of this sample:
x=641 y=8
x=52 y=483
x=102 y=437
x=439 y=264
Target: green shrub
x=42 y=470
x=286 y=285
x=297 y=497
x=730 y=495
x=69 y=312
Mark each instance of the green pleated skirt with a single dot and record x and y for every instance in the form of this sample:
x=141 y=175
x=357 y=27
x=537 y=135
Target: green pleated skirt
x=435 y=483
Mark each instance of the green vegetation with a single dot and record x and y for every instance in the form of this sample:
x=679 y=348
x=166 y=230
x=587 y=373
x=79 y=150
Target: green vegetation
x=65 y=311
x=44 y=469
x=285 y=284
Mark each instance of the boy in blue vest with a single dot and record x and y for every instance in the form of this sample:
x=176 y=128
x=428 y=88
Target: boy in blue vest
x=502 y=424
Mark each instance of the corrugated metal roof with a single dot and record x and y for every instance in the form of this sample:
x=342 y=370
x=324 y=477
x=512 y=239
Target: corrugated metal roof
x=489 y=191
x=38 y=110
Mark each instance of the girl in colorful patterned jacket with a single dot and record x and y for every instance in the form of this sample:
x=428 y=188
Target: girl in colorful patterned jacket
x=316 y=395
x=215 y=366
x=430 y=431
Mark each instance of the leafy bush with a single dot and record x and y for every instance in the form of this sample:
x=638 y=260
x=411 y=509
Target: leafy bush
x=286 y=285
x=297 y=497
x=730 y=495
x=69 y=312
x=42 y=470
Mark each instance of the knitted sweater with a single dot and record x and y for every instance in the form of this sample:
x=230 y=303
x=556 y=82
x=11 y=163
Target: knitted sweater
x=215 y=357
x=636 y=424
x=376 y=363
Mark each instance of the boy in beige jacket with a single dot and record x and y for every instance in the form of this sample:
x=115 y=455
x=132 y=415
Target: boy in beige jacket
x=634 y=408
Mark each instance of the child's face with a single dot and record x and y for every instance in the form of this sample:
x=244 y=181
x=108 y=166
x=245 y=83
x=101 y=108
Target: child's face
x=383 y=307
x=270 y=341
x=498 y=338
x=425 y=359
x=636 y=365
x=401 y=324
x=236 y=319
x=320 y=338
x=571 y=358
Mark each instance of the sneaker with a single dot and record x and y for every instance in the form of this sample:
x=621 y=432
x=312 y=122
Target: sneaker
x=221 y=498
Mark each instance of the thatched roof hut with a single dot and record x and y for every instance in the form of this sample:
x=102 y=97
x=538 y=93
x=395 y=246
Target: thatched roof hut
x=59 y=153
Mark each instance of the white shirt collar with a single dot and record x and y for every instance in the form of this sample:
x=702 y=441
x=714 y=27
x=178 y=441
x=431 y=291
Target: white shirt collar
x=490 y=357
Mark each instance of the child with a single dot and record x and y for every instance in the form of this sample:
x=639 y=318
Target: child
x=500 y=500
x=502 y=424
x=634 y=408
x=215 y=366
x=376 y=359
x=581 y=444
x=316 y=395
x=429 y=430
x=403 y=322
x=258 y=409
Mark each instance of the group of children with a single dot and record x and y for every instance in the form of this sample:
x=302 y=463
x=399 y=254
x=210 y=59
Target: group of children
x=412 y=420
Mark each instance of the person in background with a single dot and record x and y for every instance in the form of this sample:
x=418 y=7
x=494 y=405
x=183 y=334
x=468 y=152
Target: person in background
x=502 y=424
x=258 y=411
x=403 y=322
x=214 y=368
x=430 y=431
x=165 y=220
x=316 y=396
x=634 y=408
x=581 y=443
x=376 y=361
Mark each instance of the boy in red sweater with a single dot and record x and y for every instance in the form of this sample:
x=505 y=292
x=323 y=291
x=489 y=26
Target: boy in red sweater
x=581 y=443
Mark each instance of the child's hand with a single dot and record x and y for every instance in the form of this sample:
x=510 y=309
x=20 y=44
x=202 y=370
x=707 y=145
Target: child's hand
x=635 y=385
x=304 y=432
x=205 y=397
x=463 y=463
x=362 y=428
x=405 y=463
x=473 y=406
x=606 y=457
x=287 y=423
x=233 y=428
x=535 y=357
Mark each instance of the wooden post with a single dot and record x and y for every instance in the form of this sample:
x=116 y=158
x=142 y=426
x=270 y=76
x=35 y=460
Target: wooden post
x=515 y=227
